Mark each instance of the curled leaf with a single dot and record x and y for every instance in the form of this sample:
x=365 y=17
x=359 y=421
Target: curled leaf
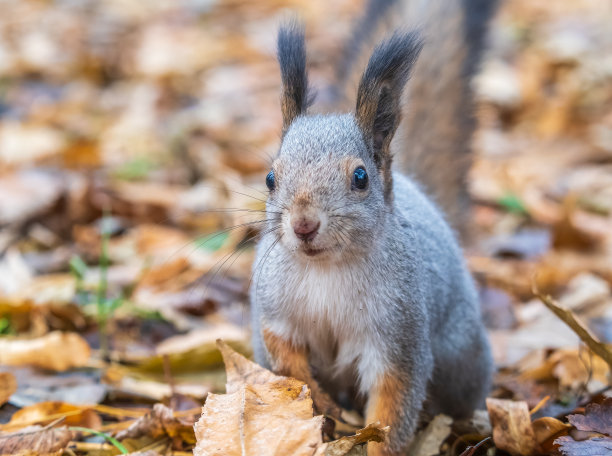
x=58 y=351
x=158 y=423
x=35 y=441
x=8 y=385
x=512 y=430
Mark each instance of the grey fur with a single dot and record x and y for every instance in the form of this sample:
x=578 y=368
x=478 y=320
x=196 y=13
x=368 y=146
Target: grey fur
x=388 y=291
x=403 y=291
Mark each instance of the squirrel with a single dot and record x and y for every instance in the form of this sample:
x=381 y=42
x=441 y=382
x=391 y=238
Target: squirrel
x=359 y=285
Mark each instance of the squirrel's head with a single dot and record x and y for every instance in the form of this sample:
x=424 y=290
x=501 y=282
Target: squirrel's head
x=331 y=184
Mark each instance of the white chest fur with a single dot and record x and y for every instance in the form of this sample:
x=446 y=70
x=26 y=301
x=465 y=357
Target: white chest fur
x=330 y=309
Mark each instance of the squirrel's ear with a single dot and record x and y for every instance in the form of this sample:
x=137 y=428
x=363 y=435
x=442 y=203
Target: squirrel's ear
x=292 y=59
x=378 y=108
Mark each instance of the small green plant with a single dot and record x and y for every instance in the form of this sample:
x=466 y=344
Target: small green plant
x=105 y=307
x=136 y=169
x=105 y=436
x=213 y=242
x=5 y=327
x=512 y=203
x=78 y=269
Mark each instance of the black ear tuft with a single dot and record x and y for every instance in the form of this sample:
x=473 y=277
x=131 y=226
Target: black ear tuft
x=292 y=58
x=379 y=95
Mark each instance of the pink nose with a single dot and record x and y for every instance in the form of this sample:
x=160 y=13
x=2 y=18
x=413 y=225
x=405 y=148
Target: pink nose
x=306 y=229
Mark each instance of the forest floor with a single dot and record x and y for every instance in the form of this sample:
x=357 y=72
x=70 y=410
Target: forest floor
x=133 y=137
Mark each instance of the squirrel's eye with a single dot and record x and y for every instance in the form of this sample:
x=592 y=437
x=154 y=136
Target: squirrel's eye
x=360 y=179
x=270 y=181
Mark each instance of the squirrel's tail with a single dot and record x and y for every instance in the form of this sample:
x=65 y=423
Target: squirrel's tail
x=433 y=142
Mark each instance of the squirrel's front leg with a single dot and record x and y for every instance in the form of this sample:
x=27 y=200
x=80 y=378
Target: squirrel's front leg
x=292 y=361
x=395 y=400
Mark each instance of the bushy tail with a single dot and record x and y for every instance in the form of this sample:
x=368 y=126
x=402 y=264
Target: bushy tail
x=433 y=141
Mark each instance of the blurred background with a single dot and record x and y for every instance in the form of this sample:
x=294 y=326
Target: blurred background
x=134 y=134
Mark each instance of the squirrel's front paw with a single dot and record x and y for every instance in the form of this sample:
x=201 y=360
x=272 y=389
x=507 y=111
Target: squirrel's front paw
x=325 y=404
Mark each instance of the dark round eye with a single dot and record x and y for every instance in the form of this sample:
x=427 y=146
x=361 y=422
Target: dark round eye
x=360 y=178
x=270 y=181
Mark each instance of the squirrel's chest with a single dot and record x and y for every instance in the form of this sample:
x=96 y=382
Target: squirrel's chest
x=329 y=310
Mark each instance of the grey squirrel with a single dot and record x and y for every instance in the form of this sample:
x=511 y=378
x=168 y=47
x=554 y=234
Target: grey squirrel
x=359 y=283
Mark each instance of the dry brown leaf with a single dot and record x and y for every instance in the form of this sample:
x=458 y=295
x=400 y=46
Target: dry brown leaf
x=27 y=194
x=261 y=414
x=572 y=368
x=577 y=230
x=371 y=433
x=35 y=441
x=266 y=420
x=46 y=412
x=596 y=418
x=428 y=441
x=158 y=423
x=512 y=430
x=8 y=385
x=570 y=319
x=240 y=371
x=57 y=351
x=546 y=430
x=266 y=414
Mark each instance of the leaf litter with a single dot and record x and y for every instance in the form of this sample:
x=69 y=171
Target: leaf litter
x=134 y=141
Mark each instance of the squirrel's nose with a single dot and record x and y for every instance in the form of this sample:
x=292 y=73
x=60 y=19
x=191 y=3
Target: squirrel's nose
x=306 y=229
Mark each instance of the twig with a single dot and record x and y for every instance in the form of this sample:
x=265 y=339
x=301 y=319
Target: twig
x=470 y=450
x=576 y=325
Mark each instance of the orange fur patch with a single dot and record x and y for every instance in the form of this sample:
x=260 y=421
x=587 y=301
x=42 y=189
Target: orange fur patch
x=292 y=361
x=384 y=406
x=287 y=359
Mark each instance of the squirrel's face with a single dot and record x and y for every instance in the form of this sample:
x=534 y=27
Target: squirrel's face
x=331 y=184
x=326 y=195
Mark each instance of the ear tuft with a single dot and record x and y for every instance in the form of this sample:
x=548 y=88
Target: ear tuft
x=378 y=109
x=292 y=59
x=378 y=98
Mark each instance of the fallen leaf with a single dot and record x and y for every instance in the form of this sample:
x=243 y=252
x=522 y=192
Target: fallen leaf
x=596 y=418
x=576 y=230
x=512 y=429
x=35 y=441
x=46 y=412
x=197 y=349
x=261 y=414
x=546 y=430
x=572 y=368
x=428 y=441
x=570 y=319
x=27 y=194
x=266 y=414
x=20 y=144
x=75 y=387
x=598 y=446
x=158 y=423
x=57 y=351
x=8 y=385
x=585 y=290
x=342 y=446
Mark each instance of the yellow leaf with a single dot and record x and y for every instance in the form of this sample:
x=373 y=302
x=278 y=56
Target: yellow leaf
x=57 y=351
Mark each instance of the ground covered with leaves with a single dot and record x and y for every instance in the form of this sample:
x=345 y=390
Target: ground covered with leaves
x=134 y=141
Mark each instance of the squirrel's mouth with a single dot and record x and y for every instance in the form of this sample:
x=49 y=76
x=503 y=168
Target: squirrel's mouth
x=312 y=252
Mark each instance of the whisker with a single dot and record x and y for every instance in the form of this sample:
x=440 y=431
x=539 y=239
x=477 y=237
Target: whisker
x=202 y=239
x=238 y=249
x=230 y=210
x=260 y=264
